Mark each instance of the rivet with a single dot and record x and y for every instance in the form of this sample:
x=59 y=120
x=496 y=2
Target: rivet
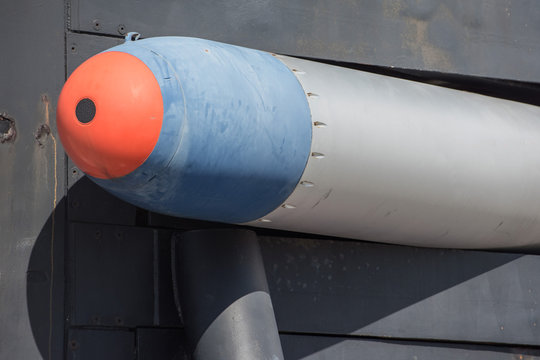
x=96 y=25
x=121 y=29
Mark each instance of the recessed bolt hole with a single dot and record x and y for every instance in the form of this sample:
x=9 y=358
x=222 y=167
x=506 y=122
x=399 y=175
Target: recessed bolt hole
x=7 y=129
x=73 y=344
x=4 y=125
x=121 y=29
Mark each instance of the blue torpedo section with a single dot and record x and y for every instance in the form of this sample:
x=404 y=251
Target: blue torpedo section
x=235 y=137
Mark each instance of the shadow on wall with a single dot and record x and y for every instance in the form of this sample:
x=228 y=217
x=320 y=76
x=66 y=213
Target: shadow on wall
x=45 y=285
x=323 y=290
x=99 y=284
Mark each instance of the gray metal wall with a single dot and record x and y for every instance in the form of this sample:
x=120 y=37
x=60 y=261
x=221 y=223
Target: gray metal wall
x=32 y=175
x=86 y=276
x=492 y=38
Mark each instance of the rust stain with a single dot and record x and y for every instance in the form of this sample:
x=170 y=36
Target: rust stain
x=46 y=103
x=44 y=130
x=47 y=169
x=391 y=8
x=417 y=40
x=416 y=17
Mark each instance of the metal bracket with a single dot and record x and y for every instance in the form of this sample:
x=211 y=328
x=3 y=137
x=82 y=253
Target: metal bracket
x=132 y=36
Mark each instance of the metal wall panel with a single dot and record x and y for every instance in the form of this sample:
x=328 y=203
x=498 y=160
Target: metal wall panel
x=86 y=344
x=32 y=175
x=80 y=47
x=304 y=347
x=160 y=344
x=488 y=38
x=113 y=275
x=346 y=287
x=45 y=296
x=120 y=277
x=89 y=203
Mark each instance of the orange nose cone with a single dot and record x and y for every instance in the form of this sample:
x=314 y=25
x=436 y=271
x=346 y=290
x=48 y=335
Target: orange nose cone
x=109 y=114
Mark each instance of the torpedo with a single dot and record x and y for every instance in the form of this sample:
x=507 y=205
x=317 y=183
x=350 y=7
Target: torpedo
x=204 y=130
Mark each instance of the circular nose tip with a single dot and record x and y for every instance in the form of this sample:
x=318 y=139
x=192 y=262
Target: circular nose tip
x=85 y=111
x=109 y=114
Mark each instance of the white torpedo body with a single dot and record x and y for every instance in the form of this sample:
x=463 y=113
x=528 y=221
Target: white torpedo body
x=247 y=137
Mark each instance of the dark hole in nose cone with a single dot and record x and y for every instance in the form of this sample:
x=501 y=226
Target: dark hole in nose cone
x=85 y=111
